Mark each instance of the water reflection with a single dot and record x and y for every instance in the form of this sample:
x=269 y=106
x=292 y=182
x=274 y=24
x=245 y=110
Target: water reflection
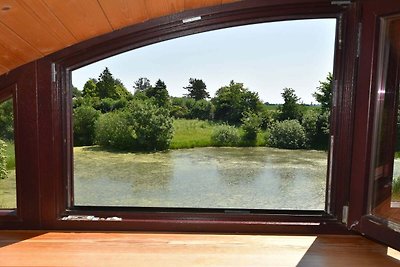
x=256 y=178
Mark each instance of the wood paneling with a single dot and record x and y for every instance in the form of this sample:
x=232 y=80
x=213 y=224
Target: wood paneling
x=24 y=24
x=30 y=29
x=157 y=8
x=138 y=249
x=52 y=24
x=122 y=13
x=17 y=46
x=84 y=19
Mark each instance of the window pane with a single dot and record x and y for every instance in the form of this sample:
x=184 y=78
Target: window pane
x=233 y=118
x=385 y=180
x=8 y=194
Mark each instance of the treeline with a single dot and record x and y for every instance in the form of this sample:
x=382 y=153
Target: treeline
x=107 y=114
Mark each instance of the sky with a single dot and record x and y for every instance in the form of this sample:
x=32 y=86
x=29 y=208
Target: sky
x=265 y=57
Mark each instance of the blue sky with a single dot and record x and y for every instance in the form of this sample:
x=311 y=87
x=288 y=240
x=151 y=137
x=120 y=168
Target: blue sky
x=265 y=57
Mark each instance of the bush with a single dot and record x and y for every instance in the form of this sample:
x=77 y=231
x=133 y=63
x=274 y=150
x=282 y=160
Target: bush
x=7 y=120
x=3 y=160
x=152 y=125
x=310 y=123
x=287 y=134
x=113 y=131
x=202 y=110
x=250 y=125
x=85 y=118
x=225 y=135
x=141 y=126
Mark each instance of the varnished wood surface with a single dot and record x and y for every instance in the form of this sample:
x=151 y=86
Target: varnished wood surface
x=31 y=248
x=30 y=29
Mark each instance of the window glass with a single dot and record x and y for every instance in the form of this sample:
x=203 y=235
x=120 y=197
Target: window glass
x=8 y=194
x=385 y=179
x=232 y=118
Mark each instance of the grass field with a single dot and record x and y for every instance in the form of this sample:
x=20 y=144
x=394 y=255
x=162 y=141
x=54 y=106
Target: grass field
x=197 y=133
x=192 y=133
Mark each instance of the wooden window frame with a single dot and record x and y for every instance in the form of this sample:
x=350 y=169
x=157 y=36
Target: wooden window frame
x=52 y=165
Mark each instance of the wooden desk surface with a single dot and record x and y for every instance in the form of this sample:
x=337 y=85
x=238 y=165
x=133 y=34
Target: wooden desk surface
x=36 y=248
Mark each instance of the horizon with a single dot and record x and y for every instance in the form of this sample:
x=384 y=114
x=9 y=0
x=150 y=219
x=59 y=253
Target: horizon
x=299 y=56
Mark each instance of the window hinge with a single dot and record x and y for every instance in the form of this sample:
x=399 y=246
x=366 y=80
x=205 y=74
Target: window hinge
x=340 y=3
x=345 y=214
x=359 y=39
x=53 y=73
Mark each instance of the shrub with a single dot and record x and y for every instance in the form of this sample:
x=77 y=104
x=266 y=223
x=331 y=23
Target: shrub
x=287 y=134
x=113 y=131
x=267 y=118
x=202 y=110
x=85 y=118
x=152 y=125
x=3 y=160
x=250 y=125
x=310 y=123
x=141 y=126
x=225 y=135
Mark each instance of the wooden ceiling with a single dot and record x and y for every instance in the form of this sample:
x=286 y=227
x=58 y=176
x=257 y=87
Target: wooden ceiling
x=31 y=29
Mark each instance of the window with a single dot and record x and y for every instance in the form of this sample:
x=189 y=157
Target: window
x=235 y=118
x=8 y=194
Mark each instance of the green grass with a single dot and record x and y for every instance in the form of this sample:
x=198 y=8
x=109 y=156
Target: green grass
x=197 y=133
x=10 y=153
x=192 y=133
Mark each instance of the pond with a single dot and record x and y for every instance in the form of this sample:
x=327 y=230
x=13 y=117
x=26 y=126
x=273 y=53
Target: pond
x=242 y=178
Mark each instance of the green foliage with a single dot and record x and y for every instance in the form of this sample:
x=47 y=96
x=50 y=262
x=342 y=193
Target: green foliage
x=396 y=186
x=250 y=125
x=141 y=85
x=159 y=94
x=114 y=131
x=10 y=154
x=105 y=87
x=323 y=95
x=197 y=89
x=7 y=120
x=290 y=109
x=202 y=110
x=267 y=118
x=76 y=92
x=225 y=135
x=3 y=160
x=84 y=119
x=191 y=133
x=287 y=134
x=309 y=122
x=232 y=101
x=90 y=88
x=140 y=126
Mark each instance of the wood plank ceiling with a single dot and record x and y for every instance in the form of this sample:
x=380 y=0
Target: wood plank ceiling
x=31 y=29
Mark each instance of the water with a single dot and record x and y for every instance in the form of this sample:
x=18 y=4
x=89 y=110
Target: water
x=245 y=178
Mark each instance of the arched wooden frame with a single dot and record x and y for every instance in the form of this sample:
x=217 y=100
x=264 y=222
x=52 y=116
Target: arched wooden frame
x=53 y=188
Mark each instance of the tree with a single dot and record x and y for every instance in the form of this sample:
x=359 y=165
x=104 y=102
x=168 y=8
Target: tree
x=197 y=89
x=290 y=109
x=108 y=87
x=141 y=85
x=232 y=101
x=76 y=92
x=159 y=93
x=85 y=118
x=7 y=120
x=90 y=88
x=323 y=95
